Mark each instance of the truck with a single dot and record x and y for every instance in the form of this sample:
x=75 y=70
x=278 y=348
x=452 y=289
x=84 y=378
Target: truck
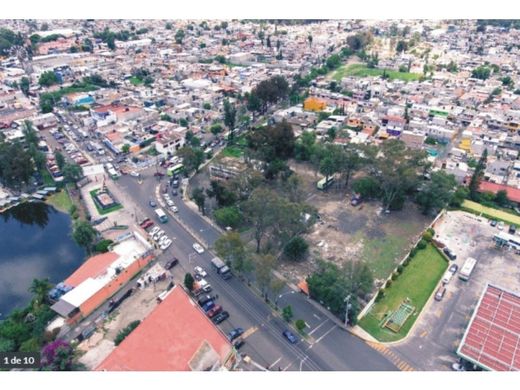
x=221 y=267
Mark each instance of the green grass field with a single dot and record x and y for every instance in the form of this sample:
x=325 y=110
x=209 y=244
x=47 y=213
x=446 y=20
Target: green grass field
x=232 y=151
x=135 y=81
x=491 y=213
x=417 y=283
x=104 y=211
x=383 y=254
x=61 y=201
x=361 y=70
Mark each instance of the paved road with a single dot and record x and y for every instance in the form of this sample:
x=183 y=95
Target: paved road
x=329 y=346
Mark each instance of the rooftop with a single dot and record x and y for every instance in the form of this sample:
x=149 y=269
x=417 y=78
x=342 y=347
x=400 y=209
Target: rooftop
x=492 y=339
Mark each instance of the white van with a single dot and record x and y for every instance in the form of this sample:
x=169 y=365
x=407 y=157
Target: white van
x=447 y=277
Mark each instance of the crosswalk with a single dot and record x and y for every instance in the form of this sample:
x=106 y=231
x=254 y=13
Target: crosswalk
x=396 y=360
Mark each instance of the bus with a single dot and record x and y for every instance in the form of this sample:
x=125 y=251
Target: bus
x=161 y=215
x=467 y=268
x=325 y=183
x=175 y=169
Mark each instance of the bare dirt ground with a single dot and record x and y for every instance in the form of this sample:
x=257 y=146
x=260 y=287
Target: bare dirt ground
x=347 y=233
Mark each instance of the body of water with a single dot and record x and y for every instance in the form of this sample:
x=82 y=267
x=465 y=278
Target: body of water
x=35 y=243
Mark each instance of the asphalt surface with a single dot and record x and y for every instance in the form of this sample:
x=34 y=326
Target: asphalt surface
x=328 y=347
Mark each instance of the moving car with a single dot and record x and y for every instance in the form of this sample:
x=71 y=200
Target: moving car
x=440 y=293
x=199 y=249
x=171 y=263
x=152 y=204
x=199 y=271
x=174 y=192
x=235 y=333
x=220 y=317
x=134 y=174
x=174 y=209
x=290 y=336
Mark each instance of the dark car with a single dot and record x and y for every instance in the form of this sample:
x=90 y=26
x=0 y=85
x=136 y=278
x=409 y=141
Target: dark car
x=220 y=317
x=175 y=184
x=158 y=174
x=454 y=268
x=447 y=251
x=152 y=204
x=493 y=223
x=238 y=344
x=144 y=222
x=171 y=263
x=147 y=225
x=174 y=192
x=512 y=229
x=214 y=311
x=235 y=333
x=203 y=299
x=208 y=306
x=290 y=336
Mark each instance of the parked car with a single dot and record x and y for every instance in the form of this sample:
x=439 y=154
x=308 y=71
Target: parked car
x=447 y=277
x=199 y=271
x=458 y=367
x=220 y=317
x=174 y=192
x=214 y=311
x=453 y=268
x=203 y=299
x=154 y=230
x=158 y=235
x=199 y=249
x=235 y=333
x=440 y=293
x=174 y=209
x=290 y=336
x=500 y=225
x=171 y=263
x=170 y=203
x=448 y=252
x=144 y=222
x=152 y=204
x=493 y=223
x=512 y=229
x=238 y=344
x=147 y=225
x=158 y=174
x=208 y=306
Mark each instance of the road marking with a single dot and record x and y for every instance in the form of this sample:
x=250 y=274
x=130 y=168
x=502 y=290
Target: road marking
x=276 y=361
x=322 y=337
x=390 y=355
x=316 y=316
x=289 y=365
x=424 y=333
x=319 y=326
x=249 y=332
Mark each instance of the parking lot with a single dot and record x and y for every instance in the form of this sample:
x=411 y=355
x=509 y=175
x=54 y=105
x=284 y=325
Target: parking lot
x=433 y=342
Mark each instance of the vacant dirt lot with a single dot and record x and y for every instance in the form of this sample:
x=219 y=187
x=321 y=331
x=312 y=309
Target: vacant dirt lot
x=346 y=233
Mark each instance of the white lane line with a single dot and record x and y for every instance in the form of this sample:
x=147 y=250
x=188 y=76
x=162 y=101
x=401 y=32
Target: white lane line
x=316 y=316
x=289 y=365
x=319 y=326
x=276 y=361
x=322 y=337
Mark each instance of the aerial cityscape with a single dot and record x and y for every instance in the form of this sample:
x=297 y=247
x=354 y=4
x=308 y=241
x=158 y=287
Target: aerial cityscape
x=259 y=195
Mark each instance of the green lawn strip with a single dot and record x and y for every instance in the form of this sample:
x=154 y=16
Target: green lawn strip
x=232 y=151
x=361 y=70
x=490 y=213
x=417 y=283
x=135 y=81
x=104 y=211
x=61 y=201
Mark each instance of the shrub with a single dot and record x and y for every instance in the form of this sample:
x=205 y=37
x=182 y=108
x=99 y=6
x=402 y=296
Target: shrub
x=432 y=231
x=427 y=236
x=296 y=249
x=407 y=261
x=413 y=252
x=422 y=244
x=400 y=269
x=73 y=209
x=126 y=331
x=300 y=325
x=102 y=246
x=388 y=284
x=380 y=295
x=394 y=275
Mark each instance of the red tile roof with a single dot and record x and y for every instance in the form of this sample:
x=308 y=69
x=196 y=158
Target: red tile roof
x=169 y=339
x=94 y=266
x=492 y=339
x=513 y=194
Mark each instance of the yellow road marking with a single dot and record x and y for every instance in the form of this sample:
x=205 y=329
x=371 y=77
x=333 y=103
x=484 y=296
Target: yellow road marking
x=396 y=360
x=424 y=333
x=249 y=332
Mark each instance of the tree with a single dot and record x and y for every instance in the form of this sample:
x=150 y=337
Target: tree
x=477 y=176
x=309 y=39
x=436 y=193
x=232 y=249
x=72 y=172
x=260 y=210
x=25 y=84
x=228 y=216
x=125 y=148
x=179 y=36
x=230 y=114
x=359 y=41
x=189 y=281
x=222 y=195
x=87 y=45
x=273 y=142
x=123 y=333
x=296 y=249
x=328 y=166
x=287 y=313
x=402 y=46
x=16 y=164
x=482 y=72
x=367 y=187
x=40 y=289
x=47 y=79
x=253 y=102
x=111 y=43
x=168 y=26
x=103 y=246
x=501 y=198
x=200 y=199
x=264 y=265
x=84 y=235
x=300 y=325
x=59 y=355
x=60 y=159
x=192 y=157
x=458 y=197
x=216 y=128
x=507 y=81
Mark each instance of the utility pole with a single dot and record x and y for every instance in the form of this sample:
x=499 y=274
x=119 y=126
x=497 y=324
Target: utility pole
x=347 y=309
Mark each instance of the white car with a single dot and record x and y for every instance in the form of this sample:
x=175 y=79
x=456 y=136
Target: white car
x=134 y=174
x=166 y=243
x=199 y=271
x=174 y=209
x=154 y=231
x=500 y=225
x=158 y=235
x=199 y=249
x=170 y=203
x=162 y=239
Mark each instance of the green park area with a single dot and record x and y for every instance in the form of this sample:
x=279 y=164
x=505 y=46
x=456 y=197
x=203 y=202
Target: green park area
x=413 y=286
x=135 y=81
x=489 y=212
x=61 y=201
x=232 y=151
x=362 y=70
x=103 y=211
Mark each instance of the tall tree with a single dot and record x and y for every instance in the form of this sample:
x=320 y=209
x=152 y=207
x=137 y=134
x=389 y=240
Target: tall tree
x=200 y=199
x=232 y=249
x=230 y=114
x=477 y=176
x=60 y=159
x=72 y=172
x=84 y=235
x=436 y=193
x=25 y=84
x=260 y=210
x=264 y=266
x=189 y=281
x=40 y=289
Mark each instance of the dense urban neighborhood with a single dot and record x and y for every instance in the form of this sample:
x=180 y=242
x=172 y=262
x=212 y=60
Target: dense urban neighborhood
x=263 y=195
